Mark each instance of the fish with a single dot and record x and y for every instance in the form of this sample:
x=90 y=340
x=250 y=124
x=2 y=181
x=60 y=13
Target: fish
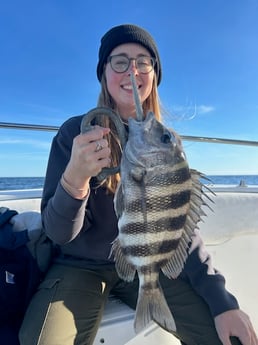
x=158 y=203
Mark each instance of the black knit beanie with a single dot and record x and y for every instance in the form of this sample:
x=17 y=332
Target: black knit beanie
x=127 y=33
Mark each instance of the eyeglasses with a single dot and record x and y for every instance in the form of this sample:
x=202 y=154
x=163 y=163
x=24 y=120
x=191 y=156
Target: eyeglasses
x=121 y=63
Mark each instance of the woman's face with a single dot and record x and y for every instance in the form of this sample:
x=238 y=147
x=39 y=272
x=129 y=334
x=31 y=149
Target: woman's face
x=119 y=84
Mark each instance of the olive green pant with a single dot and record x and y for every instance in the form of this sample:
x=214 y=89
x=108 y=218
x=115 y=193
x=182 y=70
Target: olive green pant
x=68 y=306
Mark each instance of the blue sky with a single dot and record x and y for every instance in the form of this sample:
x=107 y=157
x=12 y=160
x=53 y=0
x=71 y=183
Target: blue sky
x=209 y=53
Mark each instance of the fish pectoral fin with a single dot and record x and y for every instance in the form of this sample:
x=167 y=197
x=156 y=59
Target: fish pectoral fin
x=153 y=306
x=124 y=269
x=138 y=173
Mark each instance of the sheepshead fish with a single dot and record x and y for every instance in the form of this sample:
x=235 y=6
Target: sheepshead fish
x=158 y=205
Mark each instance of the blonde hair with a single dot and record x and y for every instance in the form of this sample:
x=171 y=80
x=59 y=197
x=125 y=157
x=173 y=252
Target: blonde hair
x=105 y=100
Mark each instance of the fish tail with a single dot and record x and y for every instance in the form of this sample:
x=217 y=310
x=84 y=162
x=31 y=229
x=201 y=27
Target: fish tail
x=152 y=306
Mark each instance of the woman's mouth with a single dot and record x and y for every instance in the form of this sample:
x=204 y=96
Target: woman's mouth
x=129 y=87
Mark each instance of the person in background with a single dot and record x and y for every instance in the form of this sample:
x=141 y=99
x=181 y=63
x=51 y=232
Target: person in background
x=78 y=216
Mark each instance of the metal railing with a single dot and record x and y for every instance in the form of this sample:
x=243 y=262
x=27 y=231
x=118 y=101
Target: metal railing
x=10 y=125
x=24 y=126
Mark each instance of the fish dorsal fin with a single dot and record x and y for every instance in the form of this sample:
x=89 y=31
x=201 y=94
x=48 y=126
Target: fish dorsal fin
x=175 y=264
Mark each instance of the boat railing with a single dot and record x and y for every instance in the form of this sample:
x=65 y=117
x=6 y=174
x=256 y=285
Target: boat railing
x=49 y=128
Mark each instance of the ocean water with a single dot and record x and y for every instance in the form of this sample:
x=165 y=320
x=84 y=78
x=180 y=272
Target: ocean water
x=234 y=180
x=13 y=183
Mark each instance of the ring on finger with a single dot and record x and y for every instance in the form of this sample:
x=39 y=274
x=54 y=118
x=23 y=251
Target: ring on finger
x=98 y=147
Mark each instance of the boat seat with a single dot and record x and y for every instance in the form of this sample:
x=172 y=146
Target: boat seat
x=233 y=215
x=230 y=233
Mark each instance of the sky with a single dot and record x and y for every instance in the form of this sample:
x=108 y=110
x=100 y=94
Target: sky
x=209 y=87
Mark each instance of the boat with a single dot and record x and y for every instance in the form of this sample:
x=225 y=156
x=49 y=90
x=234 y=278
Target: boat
x=230 y=232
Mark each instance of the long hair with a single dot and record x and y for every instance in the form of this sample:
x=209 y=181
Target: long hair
x=105 y=100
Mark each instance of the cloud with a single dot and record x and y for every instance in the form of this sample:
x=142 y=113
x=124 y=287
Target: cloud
x=33 y=143
x=204 y=109
x=191 y=111
x=4 y=141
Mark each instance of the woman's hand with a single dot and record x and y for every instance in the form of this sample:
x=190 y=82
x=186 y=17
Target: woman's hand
x=90 y=154
x=235 y=323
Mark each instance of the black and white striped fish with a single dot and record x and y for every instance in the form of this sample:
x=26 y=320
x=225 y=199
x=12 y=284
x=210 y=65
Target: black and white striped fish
x=158 y=205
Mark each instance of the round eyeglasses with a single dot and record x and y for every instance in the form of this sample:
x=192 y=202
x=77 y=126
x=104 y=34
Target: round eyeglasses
x=121 y=63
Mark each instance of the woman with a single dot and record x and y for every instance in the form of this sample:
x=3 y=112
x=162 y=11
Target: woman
x=78 y=216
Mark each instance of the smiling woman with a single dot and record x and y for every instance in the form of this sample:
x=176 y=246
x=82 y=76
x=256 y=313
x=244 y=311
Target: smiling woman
x=78 y=216
x=49 y=71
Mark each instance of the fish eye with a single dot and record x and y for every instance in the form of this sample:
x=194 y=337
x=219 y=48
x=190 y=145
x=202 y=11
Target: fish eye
x=166 y=137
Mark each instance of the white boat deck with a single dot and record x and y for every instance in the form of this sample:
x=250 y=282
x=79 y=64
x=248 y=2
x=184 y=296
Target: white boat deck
x=231 y=235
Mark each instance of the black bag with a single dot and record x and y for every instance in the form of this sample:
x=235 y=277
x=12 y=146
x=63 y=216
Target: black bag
x=19 y=277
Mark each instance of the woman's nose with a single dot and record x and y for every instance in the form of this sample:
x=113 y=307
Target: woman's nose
x=133 y=67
